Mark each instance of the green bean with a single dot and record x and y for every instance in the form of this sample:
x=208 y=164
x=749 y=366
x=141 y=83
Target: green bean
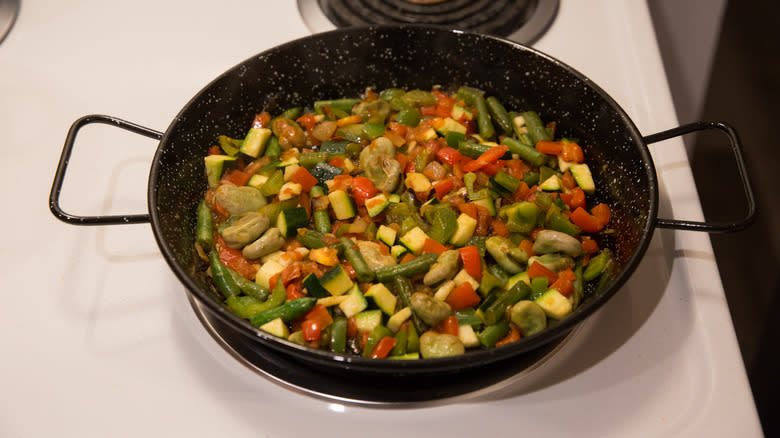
x=468 y=316
x=476 y=98
x=338 y=335
x=492 y=310
x=321 y=221
x=291 y=113
x=499 y=114
x=493 y=333
x=205 y=227
x=524 y=151
x=403 y=288
x=288 y=311
x=222 y=278
x=536 y=129
x=249 y=287
x=408 y=269
x=273 y=149
x=353 y=256
x=310 y=239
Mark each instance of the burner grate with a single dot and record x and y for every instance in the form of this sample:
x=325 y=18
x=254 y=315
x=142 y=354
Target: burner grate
x=494 y=17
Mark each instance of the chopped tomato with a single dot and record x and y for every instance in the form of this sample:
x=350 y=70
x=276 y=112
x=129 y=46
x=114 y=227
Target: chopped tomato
x=499 y=227
x=564 y=283
x=362 y=189
x=512 y=336
x=340 y=182
x=215 y=150
x=262 y=120
x=449 y=326
x=402 y=159
x=602 y=213
x=443 y=187
x=305 y=201
x=589 y=246
x=538 y=270
x=572 y=152
x=408 y=257
x=472 y=262
x=574 y=199
x=489 y=156
x=483 y=221
x=303 y=177
x=589 y=223
x=233 y=259
x=351 y=327
x=291 y=273
x=311 y=330
x=337 y=161
x=448 y=155
x=320 y=314
x=462 y=297
x=349 y=120
x=549 y=147
x=383 y=348
x=527 y=246
x=515 y=168
x=237 y=177
x=394 y=138
x=569 y=183
x=469 y=209
x=349 y=269
x=428 y=111
x=307 y=121
x=433 y=247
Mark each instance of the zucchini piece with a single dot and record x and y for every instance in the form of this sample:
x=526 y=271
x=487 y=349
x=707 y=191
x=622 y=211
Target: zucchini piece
x=551 y=184
x=355 y=302
x=386 y=235
x=336 y=281
x=414 y=240
x=341 y=204
x=459 y=111
x=290 y=220
x=581 y=174
x=267 y=271
x=257 y=181
x=418 y=182
x=464 y=231
x=377 y=204
x=468 y=336
x=214 y=166
x=368 y=320
x=398 y=318
x=312 y=284
x=554 y=304
x=255 y=141
x=325 y=172
x=276 y=327
x=449 y=125
x=487 y=203
x=398 y=251
x=382 y=297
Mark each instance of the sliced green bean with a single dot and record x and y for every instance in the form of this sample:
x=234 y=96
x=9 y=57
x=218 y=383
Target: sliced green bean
x=310 y=239
x=205 y=227
x=536 y=129
x=288 y=311
x=493 y=333
x=499 y=114
x=222 y=278
x=524 y=151
x=408 y=269
x=353 y=256
x=403 y=288
x=249 y=287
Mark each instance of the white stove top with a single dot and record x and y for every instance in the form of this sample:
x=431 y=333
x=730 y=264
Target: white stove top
x=100 y=339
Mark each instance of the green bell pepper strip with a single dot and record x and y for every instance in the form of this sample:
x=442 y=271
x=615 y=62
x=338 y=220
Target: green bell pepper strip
x=597 y=265
x=499 y=114
x=204 y=230
x=408 y=269
x=231 y=146
x=506 y=181
x=444 y=225
x=401 y=339
x=288 y=311
x=468 y=316
x=222 y=278
x=413 y=339
x=558 y=222
x=291 y=113
x=273 y=149
x=273 y=185
x=353 y=256
x=538 y=287
x=493 y=333
x=408 y=117
x=338 y=335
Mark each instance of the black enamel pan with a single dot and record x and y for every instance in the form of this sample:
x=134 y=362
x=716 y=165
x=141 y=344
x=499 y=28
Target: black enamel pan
x=345 y=62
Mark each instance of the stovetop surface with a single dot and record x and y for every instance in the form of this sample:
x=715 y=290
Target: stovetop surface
x=100 y=337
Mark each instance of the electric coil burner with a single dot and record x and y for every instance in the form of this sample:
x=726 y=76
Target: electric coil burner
x=522 y=21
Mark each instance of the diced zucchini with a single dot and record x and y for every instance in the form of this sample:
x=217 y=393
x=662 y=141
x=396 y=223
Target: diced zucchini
x=255 y=141
x=291 y=219
x=581 y=174
x=289 y=171
x=523 y=276
x=386 y=235
x=312 y=284
x=466 y=227
x=341 y=204
x=336 y=281
x=332 y=300
x=414 y=240
x=554 y=304
x=564 y=165
x=267 y=271
x=377 y=204
x=467 y=335
x=450 y=125
x=214 y=167
x=289 y=157
x=368 y=320
x=395 y=198
x=459 y=111
x=276 y=327
x=398 y=251
x=551 y=184
x=382 y=297
x=395 y=321
x=464 y=277
x=257 y=181
x=444 y=290
x=418 y=182
x=355 y=303
x=487 y=203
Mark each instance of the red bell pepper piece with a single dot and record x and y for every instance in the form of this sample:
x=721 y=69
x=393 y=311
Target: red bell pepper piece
x=303 y=177
x=462 y=297
x=489 y=156
x=383 y=348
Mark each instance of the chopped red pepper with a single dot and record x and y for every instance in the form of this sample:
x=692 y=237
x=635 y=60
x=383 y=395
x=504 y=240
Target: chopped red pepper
x=448 y=155
x=443 y=187
x=489 y=156
x=538 y=270
x=303 y=177
x=589 y=223
x=433 y=247
x=512 y=336
x=472 y=262
x=383 y=348
x=462 y=297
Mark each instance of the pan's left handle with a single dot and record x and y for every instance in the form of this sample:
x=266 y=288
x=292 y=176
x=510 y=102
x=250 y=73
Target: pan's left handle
x=736 y=148
x=59 y=177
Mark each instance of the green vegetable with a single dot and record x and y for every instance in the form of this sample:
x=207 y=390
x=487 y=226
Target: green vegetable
x=493 y=333
x=222 y=278
x=352 y=253
x=204 y=231
x=536 y=130
x=499 y=114
x=408 y=269
x=338 y=335
x=287 y=311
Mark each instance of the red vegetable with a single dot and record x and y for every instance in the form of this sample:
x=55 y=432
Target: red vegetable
x=304 y=178
x=462 y=297
x=489 y=156
x=448 y=155
x=472 y=262
x=362 y=189
x=383 y=348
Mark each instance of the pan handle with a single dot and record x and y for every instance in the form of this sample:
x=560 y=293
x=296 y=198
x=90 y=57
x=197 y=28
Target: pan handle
x=736 y=148
x=59 y=177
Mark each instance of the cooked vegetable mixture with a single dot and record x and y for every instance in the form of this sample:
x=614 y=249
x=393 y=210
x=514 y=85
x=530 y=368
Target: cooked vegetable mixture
x=407 y=224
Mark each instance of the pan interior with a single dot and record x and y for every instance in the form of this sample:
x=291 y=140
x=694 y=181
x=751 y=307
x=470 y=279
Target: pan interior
x=343 y=63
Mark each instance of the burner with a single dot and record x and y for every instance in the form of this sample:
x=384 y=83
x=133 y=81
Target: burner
x=520 y=20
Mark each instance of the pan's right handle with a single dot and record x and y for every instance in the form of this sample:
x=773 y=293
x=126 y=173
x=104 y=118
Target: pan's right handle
x=59 y=177
x=710 y=227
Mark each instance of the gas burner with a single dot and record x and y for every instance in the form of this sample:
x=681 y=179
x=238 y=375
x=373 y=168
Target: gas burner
x=523 y=21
